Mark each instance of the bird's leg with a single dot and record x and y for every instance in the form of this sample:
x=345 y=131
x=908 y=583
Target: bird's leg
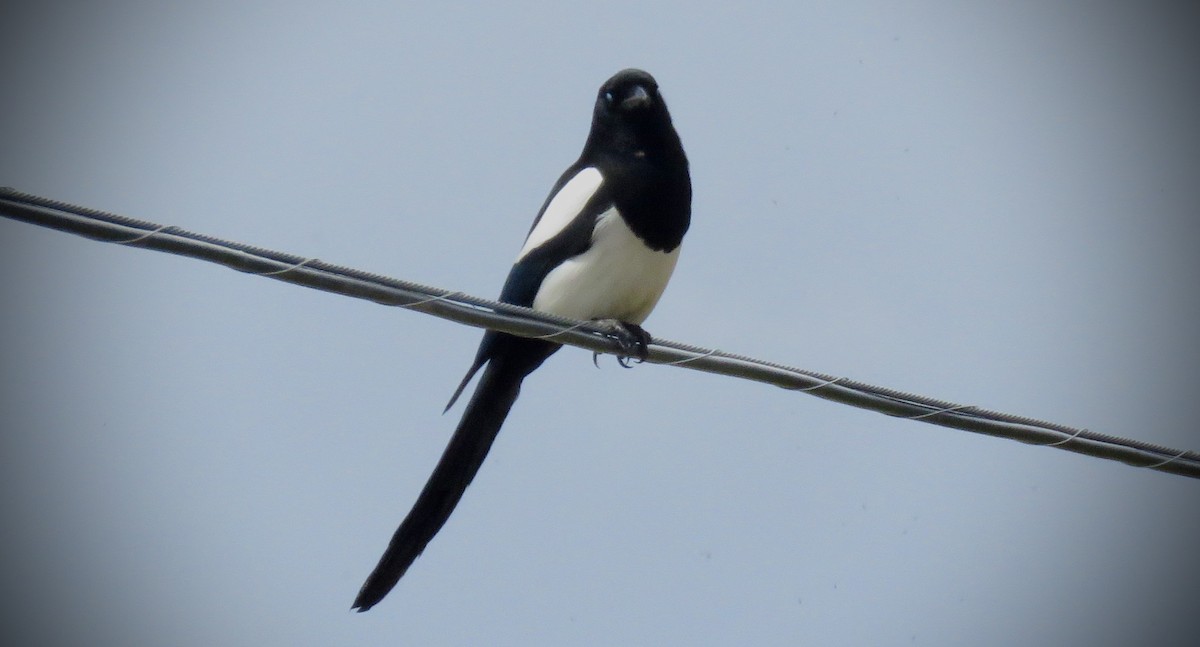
x=633 y=340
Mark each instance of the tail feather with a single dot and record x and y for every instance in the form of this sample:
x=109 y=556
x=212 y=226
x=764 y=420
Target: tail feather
x=485 y=413
x=462 y=385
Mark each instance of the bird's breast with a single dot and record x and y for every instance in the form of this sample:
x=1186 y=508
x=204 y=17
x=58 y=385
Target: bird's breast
x=618 y=277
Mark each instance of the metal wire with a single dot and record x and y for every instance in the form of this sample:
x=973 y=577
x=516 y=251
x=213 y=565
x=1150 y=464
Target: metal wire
x=485 y=313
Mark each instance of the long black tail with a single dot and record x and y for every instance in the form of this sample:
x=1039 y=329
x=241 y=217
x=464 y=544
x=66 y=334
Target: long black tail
x=493 y=398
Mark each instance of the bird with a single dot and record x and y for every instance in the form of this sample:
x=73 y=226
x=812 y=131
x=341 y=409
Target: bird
x=602 y=247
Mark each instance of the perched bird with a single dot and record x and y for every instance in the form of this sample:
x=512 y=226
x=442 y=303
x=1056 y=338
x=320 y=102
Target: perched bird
x=602 y=247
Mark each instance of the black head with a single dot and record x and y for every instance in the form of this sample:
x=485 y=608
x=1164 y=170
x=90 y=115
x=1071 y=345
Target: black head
x=630 y=116
x=629 y=92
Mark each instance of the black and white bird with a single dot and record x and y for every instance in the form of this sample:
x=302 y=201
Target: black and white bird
x=602 y=247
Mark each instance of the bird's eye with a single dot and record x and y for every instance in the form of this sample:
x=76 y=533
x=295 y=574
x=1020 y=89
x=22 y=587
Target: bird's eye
x=609 y=98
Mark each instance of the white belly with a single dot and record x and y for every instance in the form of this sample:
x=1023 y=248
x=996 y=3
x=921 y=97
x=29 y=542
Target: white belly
x=617 y=278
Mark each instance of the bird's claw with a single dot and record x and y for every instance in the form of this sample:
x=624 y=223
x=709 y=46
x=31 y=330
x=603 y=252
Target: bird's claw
x=633 y=341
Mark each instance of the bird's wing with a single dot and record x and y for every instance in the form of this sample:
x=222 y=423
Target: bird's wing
x=562 y=230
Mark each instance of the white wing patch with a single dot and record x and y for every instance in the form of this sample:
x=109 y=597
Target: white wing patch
x=618 y=277
x=563 y=208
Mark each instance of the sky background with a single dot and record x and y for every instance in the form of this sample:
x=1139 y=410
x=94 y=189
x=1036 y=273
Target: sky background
x=991 y=203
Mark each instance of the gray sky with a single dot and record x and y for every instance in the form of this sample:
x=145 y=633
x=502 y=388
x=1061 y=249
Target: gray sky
x=990 y=204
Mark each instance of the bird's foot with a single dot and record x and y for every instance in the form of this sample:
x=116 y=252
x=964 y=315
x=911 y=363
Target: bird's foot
x=633 y=340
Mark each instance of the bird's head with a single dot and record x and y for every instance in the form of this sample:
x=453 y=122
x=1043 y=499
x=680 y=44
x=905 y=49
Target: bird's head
x=626 y=93
x=630 y=114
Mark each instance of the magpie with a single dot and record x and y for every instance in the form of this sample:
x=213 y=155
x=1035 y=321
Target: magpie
x=602 y=247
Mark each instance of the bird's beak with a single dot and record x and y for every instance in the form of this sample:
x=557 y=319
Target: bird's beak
x=638 y=98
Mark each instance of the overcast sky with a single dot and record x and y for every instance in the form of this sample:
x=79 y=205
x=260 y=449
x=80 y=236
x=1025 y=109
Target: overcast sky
x=991 y=203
